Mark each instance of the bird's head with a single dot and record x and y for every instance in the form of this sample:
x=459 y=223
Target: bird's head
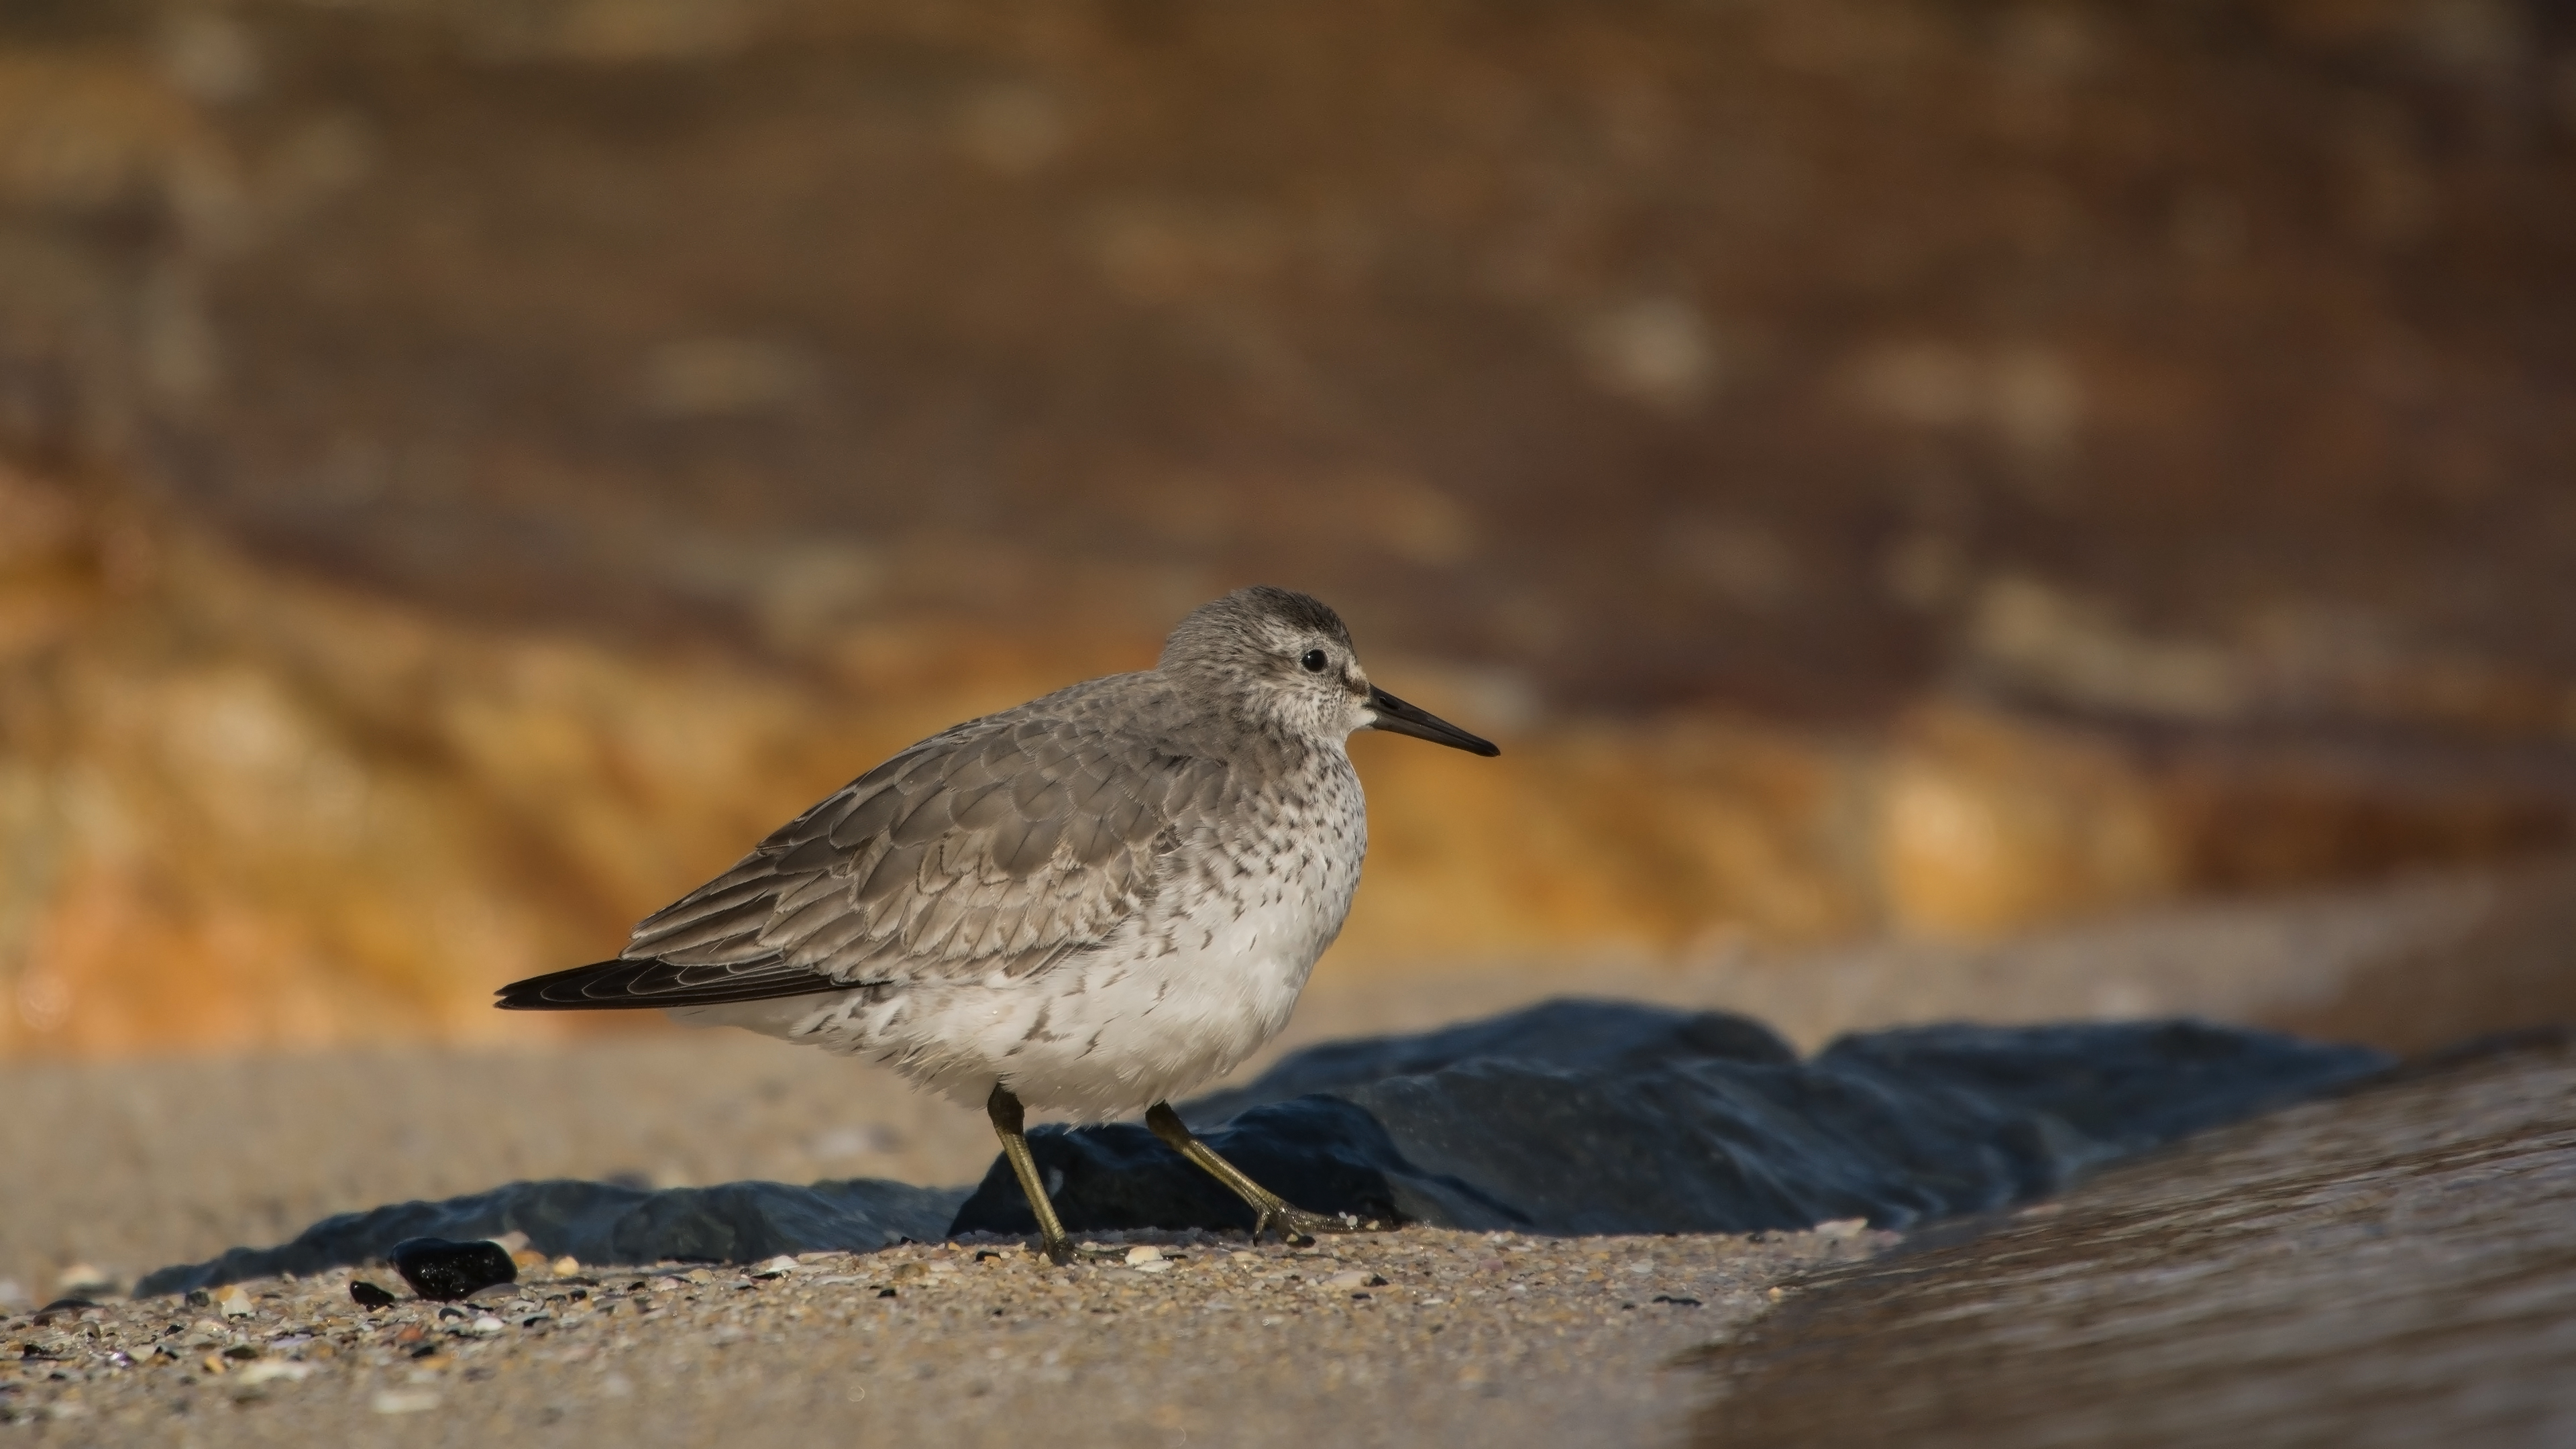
x=1290 y=657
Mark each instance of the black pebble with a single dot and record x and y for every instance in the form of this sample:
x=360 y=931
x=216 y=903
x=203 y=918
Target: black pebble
x=200 y=1298
x=368 y=1295
x=885 y=1293
x=1676 y=1300
x=438 y=1269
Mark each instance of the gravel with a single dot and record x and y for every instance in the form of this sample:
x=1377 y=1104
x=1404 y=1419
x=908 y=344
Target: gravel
x=1158 y=1339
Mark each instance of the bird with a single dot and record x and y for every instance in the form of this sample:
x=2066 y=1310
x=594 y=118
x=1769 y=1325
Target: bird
x=1087 y=904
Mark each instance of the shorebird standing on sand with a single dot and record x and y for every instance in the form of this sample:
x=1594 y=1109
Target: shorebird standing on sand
x=1089 y=903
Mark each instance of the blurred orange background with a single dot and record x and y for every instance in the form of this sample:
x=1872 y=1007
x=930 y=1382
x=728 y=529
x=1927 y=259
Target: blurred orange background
x=1934 y=469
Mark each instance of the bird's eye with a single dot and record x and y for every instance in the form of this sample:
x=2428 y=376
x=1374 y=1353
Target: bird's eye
x=1315 y=661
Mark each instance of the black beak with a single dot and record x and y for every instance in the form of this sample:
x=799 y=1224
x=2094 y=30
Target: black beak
x=1398 y=718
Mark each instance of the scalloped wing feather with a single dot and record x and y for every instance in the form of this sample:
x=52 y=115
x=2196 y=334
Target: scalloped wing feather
x=999 y=849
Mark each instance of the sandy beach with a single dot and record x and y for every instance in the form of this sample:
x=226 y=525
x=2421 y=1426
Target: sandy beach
x=131 y=1166
x=1419 y=1336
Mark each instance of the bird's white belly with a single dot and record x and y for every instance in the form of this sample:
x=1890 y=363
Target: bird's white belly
x=1151 y=1013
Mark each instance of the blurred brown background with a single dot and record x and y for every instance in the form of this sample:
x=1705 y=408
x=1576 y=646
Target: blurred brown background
x=1914 y=468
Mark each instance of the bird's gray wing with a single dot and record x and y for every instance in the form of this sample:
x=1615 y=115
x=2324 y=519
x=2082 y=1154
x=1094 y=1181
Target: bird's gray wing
x=998 y=847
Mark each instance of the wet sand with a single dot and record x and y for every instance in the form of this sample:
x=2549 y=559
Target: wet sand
x=2393 y=1267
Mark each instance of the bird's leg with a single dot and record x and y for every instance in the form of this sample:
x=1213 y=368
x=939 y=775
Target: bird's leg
x=1008 y=1122
x=1269 y=1209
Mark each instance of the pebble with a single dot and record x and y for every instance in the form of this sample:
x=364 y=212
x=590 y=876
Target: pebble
x=778 y=1267
x=234 y=1301
x=368 y=1295
x=403 y=1401
x=83 y=1280
x=445 y=1271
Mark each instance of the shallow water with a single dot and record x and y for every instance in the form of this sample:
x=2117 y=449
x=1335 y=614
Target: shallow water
x=2396 y=1265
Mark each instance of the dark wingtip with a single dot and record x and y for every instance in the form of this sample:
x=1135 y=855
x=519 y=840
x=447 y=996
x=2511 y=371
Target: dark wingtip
x=596 y=987
x=649 y=984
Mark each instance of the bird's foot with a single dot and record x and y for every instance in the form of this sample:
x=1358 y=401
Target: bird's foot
x=1298 y=1228
x=1059 y=1251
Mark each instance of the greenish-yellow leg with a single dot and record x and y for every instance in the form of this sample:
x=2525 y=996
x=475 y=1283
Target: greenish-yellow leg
x=1009 y=1122
x=1269 y=1209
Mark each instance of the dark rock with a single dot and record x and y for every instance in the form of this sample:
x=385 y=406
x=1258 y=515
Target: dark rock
x=1570 y=1033
x=603 y=1223
x=1599 y=1117
x=368 y=1295
x=59 y=1306
x=444 y=1271
x=1569 y=1117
